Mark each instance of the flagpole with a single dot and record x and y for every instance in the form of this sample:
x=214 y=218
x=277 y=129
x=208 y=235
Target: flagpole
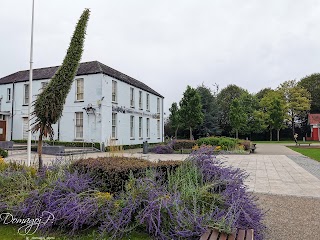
x=30 y=90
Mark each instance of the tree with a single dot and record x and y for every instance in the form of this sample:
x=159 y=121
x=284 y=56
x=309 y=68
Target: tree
x=263 y=92
x=275 y=112
x=312 y=84
x=190 y=109
x=210 y=110
x=297 y=99
x=224 y=100
x=238 y=116
x=174 y=118
x=48 y=106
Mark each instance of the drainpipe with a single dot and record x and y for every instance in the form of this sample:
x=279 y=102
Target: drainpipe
x=12 y=104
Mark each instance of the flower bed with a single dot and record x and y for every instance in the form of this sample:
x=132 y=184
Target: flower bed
x=182 y=203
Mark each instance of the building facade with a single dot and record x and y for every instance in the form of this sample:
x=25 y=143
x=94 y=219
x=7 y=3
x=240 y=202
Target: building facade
x=104 y=105
x=314 y=122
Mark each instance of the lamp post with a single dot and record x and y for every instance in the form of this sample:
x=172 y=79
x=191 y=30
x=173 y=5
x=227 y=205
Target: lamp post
x=30 y=90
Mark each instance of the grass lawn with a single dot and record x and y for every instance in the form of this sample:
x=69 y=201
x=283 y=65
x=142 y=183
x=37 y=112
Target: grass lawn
x=313 y=153
x=9 y=232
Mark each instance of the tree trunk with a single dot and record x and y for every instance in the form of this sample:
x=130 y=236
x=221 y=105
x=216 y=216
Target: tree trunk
x=278 y=135
x=237 y=133
x=176 y=133
x=191 y=137
x=270 y=135
x=40 y=150
x=293 y=129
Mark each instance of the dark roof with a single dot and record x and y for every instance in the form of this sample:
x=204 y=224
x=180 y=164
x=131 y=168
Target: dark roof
x=314 y=119
x=85 y=68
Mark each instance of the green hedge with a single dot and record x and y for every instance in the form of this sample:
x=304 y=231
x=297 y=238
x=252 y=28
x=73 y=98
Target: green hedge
x=183 y=144
x=110 y=173
x=225 y=142
x=3 y=153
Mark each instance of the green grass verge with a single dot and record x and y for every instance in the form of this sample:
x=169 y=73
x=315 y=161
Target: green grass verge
x=281 y=142
x=313 y=153
x=10 y=232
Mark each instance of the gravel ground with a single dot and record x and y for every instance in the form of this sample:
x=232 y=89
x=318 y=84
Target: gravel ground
x=291 y=218
x=312 y=166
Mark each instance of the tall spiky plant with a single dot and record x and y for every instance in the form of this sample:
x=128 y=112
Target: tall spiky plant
x=48 y=106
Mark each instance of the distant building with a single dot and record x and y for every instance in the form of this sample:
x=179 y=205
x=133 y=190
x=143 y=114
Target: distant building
x=314 y=122
x=103 y=104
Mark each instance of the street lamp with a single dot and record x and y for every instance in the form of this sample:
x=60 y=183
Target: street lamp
x=30 y=90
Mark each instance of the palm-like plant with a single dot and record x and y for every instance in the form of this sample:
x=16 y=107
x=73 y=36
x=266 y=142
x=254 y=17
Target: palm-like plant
x=48 y=106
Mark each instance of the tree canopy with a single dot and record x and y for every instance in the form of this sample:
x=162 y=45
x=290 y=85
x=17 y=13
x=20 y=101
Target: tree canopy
x=312 y=84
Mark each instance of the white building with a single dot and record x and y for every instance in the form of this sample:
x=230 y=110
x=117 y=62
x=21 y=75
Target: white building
x=103 y=104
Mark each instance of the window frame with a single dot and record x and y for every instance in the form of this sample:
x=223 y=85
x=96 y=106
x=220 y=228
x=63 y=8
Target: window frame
x=25 y=95
x=132 y=132
x=131 y=97
x=79 y=126
x=140 y=128
x=9 y=95
x=114 y=125
x=148 y=128
x=158 y=105
x=148 y=102
x=76 y=90
x=114 y=91
x=140 y=100
x=158 y=129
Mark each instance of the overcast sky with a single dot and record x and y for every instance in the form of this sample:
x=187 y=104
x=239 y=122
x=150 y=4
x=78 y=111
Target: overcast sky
x=171 y=44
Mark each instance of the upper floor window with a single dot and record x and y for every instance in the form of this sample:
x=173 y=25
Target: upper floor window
x=25 y=94
x=132 y=97
x=158 y=105
x=114 y=91
x=79 y=89
x=140 y=100
x=148 y=102
x=8 y=94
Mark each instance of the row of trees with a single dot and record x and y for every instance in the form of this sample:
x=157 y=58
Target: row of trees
x=234 y=111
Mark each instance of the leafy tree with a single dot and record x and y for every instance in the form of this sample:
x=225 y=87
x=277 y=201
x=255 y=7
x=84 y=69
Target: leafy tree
x=275 y=112
x=297 y=99
x=312 y=84
x=263 y=92
x=174 y=118
x=224 y=99
x=238 y=116
x=48 y=106
x=190 y=109
x=210 y=110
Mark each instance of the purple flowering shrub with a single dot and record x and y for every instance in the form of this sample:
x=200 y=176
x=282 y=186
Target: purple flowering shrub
x=162 y=149
x=180 y=203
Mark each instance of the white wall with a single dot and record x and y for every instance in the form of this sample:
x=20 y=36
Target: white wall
x=97 y=127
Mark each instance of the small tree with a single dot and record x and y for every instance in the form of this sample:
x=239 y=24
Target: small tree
x=174 y=118
x=48 y=106
x=277 y=115
x=238 y=116
x=190 y=109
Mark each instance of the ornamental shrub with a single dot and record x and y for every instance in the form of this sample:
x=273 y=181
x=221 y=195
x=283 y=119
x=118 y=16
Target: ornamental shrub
x=183 y=144
x=162 y=149
x=3 y=153
x=111 y=173
x=225 y=142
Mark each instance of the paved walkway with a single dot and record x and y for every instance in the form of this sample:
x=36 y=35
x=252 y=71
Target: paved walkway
x=268 y=172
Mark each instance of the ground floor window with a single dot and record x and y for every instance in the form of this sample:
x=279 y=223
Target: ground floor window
x=79 y=125
x=158 y=128
x=114 y=126
x=148 y=127
x=140 y=127
x=132 y=127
